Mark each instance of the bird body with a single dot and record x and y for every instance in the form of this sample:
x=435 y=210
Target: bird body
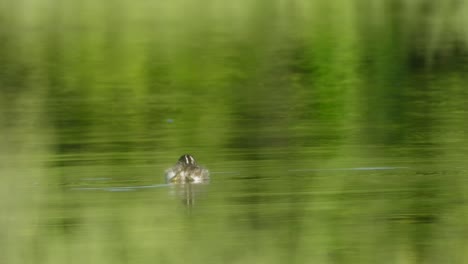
x=186 y=170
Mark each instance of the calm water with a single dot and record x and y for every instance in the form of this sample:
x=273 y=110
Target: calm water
x=334 y=132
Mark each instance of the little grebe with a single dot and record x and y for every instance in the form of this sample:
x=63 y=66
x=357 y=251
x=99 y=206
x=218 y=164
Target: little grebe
x=186 y=170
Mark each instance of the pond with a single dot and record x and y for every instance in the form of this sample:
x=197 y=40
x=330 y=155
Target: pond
x=333 y=132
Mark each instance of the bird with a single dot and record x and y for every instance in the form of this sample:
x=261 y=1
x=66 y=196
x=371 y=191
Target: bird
x=186 y=170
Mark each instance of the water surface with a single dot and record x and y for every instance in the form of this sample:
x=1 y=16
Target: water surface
x=334 y=132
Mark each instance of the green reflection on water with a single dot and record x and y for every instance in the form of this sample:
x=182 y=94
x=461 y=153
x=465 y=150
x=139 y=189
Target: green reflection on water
x=335 y=132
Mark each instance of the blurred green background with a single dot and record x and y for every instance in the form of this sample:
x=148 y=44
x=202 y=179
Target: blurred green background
x=335 y=131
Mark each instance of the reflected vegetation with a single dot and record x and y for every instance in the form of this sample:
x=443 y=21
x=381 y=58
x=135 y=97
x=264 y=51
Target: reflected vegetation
x=334 y=131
